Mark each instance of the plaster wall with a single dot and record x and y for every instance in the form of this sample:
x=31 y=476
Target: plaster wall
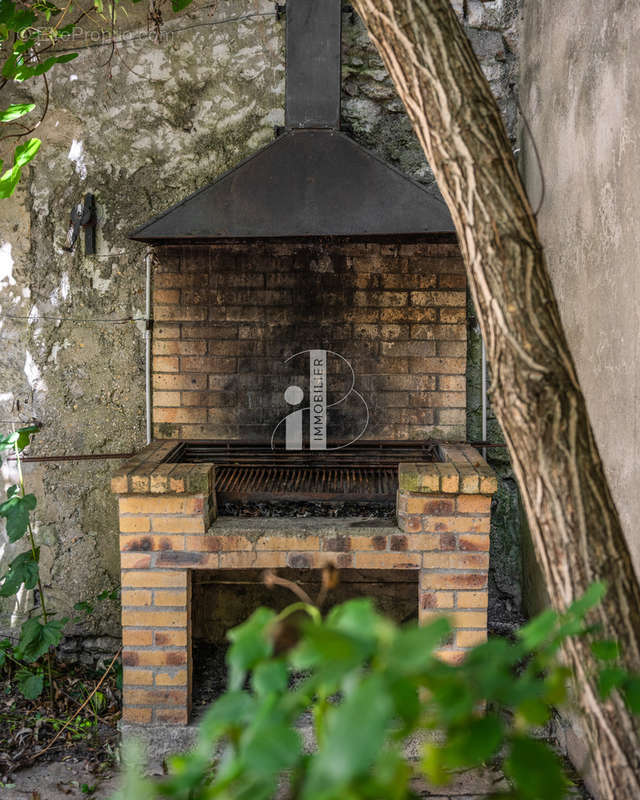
x=141 y=131
x=580 y=93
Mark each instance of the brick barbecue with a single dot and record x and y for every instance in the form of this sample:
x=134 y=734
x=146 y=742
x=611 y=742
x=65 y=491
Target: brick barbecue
x=311 y=244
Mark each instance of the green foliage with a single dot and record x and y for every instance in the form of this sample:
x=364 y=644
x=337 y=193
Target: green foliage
x=36 y=638
x=30 y=683
x=23 y=569
x=16 y=511
x=27 y=31
x=368 y=684
x=41 y=633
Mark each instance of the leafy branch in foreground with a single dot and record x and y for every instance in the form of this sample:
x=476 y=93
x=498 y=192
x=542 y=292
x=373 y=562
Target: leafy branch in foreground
x=368 y=685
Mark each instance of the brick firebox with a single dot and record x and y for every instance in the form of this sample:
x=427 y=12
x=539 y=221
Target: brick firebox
x=168 y=528
x=227 y=316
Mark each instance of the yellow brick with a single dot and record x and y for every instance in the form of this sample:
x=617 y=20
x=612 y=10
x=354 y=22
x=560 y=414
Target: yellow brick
x=287 y=543
x=436 y=600
x=167 y=679
x=153 y=578
x=472 y=524
x=137 y=677
x=155 y=619
x=473 y=504
x=134 y=524
x=136 y=597
x=452 y=657
x=488 y=485
x=246 y=560
x=164 y=598
x=119 y=484
x=135 y=561
x=154 y=658
x=439 y=524
x=472 y=599
x=422 y=541
x=155 y=697
x=165 y=504
x=179 y=524
x=457 y=580
x=470 y=619
x=470 y=638
x=130 y=542
x=387 y=560
x=474 y=543
x=173 y=638
x=455 y=560
x=136 y=716
x=135 y=638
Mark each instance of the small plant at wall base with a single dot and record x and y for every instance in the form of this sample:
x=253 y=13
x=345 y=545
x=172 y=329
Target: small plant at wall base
x=40 y=633
x=368 y=685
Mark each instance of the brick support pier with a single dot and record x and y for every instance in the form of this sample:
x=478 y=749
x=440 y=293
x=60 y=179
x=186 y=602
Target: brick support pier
x=447 y=508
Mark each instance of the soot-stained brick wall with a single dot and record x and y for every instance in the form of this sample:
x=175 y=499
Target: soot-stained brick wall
x=229 y=316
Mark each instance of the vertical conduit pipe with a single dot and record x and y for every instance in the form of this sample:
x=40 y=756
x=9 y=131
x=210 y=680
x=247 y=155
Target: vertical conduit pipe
x=484 y=399
x=147 y=343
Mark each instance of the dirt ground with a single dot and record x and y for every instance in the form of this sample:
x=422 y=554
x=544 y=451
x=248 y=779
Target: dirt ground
x=60 y=780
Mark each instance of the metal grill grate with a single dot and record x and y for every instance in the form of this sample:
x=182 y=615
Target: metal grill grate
x=365 y=472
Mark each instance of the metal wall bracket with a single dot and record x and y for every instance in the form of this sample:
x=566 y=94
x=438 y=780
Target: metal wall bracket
x=83 y=215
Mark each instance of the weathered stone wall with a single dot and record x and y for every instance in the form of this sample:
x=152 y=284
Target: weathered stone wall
x=162 y=119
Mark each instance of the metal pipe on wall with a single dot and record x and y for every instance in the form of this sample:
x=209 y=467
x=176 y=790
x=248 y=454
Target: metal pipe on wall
x=147 y=343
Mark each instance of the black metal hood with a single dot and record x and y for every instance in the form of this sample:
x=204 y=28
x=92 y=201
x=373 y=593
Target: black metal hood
x=312 y=180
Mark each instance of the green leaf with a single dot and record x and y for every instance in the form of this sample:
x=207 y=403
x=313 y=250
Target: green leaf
x=15 y=111
x=16 y=511
x=474 y=744
x=36 y=638
x=589 y=599
x=5 y=646
x=433 y=766
x=22 y=156
x=605 y=650
x=539 y=630
x=270 y=677
x=23 y=569
x=610 y=678
x=412 y=649
x=8 y=440
x=355 y=734
x=30 y=684
x=632 y=694
x=249 y=645
x=533 y=711
x=178 y=5
x=271 y=748
x=535 y=770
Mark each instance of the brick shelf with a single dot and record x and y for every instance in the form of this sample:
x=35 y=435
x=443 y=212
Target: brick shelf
x=168 y=528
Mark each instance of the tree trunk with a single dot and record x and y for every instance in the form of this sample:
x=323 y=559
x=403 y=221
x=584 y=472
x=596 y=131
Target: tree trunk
x=535 y=391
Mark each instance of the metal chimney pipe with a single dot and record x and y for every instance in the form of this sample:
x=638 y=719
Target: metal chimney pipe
x=313 y=68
